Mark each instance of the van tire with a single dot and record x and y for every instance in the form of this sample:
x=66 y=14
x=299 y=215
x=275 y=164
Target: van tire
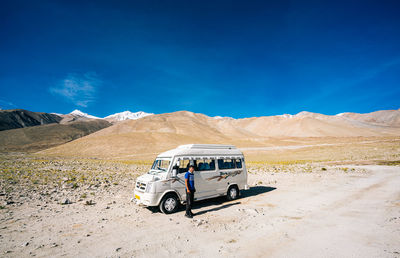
x=233 y=193
x=169 y=203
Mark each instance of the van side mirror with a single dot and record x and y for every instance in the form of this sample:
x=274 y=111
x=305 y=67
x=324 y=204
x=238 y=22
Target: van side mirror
x=175 y=171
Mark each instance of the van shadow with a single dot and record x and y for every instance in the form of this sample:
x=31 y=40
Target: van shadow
x=222 y=203
x=256 y=190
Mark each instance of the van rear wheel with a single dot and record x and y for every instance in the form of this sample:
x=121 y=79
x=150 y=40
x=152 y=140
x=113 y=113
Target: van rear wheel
x=233 y=193
x=169 y=204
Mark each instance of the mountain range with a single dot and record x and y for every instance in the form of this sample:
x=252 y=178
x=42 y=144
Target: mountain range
x=128 y=134
x=150 y=135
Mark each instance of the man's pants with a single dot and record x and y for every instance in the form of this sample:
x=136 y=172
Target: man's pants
x=189 y=202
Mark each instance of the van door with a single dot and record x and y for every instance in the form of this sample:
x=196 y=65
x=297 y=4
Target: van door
x=228 y=173
x=205 y=177
x=178 y=184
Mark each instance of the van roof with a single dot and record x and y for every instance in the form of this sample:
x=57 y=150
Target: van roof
x=206 y=146
x=203 y=150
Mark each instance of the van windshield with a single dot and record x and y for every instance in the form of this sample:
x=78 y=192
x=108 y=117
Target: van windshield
x=160 y=165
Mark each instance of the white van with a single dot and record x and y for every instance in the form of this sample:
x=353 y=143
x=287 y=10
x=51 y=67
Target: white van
x=219 y=170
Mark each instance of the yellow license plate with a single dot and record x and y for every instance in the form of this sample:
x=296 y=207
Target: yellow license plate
x=137 y=197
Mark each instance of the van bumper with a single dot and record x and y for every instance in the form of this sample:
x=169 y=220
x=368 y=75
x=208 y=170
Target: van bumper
x=148 y=199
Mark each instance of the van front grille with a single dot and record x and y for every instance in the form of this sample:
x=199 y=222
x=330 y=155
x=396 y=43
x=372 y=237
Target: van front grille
x=140 y=186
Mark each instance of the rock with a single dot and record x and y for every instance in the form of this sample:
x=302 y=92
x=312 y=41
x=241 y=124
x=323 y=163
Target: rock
x=90 y=202
x=251 y=211
x=25 y=244
x=199 y=222
x=118 y=249
x=66 y=201
x=40 y=246
x=67 y=186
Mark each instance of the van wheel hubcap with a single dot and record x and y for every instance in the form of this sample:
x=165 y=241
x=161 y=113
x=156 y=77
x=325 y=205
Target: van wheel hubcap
x=170 y=204
x=233 y=193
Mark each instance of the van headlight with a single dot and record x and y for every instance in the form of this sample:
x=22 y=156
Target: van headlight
x=150 y=188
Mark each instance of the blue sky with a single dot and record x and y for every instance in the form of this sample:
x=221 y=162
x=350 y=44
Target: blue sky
x=228 y=58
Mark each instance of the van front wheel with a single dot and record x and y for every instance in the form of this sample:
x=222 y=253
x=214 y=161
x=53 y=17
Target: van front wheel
x=233 y=193
x=169 y=204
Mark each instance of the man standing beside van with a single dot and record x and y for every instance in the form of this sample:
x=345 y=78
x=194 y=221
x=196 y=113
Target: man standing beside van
x=190 y=189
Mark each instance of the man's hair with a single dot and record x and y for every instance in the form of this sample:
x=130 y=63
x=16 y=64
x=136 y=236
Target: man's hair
x=191 y=166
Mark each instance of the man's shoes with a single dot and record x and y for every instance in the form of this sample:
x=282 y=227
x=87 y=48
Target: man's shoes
x=190 y=216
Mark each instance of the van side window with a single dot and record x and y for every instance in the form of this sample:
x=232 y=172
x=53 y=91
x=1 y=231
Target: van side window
x=206 y=165
x=184 y=165
x=238 y=163
x=226 y=163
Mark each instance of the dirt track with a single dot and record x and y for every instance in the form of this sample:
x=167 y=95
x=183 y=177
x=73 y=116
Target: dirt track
x=319 y=214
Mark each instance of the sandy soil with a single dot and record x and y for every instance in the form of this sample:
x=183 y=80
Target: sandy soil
x=332 y=213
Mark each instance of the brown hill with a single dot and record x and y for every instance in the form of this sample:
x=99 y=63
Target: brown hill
x=45 y=136
x=313 y=125
x=147 y=136
x=382 y=117
x=19 y=118
x=68 y=118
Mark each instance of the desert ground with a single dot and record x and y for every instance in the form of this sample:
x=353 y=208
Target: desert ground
x=332 y=199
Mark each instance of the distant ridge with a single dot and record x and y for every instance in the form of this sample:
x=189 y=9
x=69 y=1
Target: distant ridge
x=41 y=137
x=23 y=130
x=20 y=118
x=382 y=117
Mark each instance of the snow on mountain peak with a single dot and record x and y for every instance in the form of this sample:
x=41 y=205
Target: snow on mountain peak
x=128 y=115
x=304 y=113
x=286 y=116
x=79 y=113
x=222 y=117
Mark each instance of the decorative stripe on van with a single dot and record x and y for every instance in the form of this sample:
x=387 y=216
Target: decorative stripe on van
x=225 y=175
x=170 y=179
